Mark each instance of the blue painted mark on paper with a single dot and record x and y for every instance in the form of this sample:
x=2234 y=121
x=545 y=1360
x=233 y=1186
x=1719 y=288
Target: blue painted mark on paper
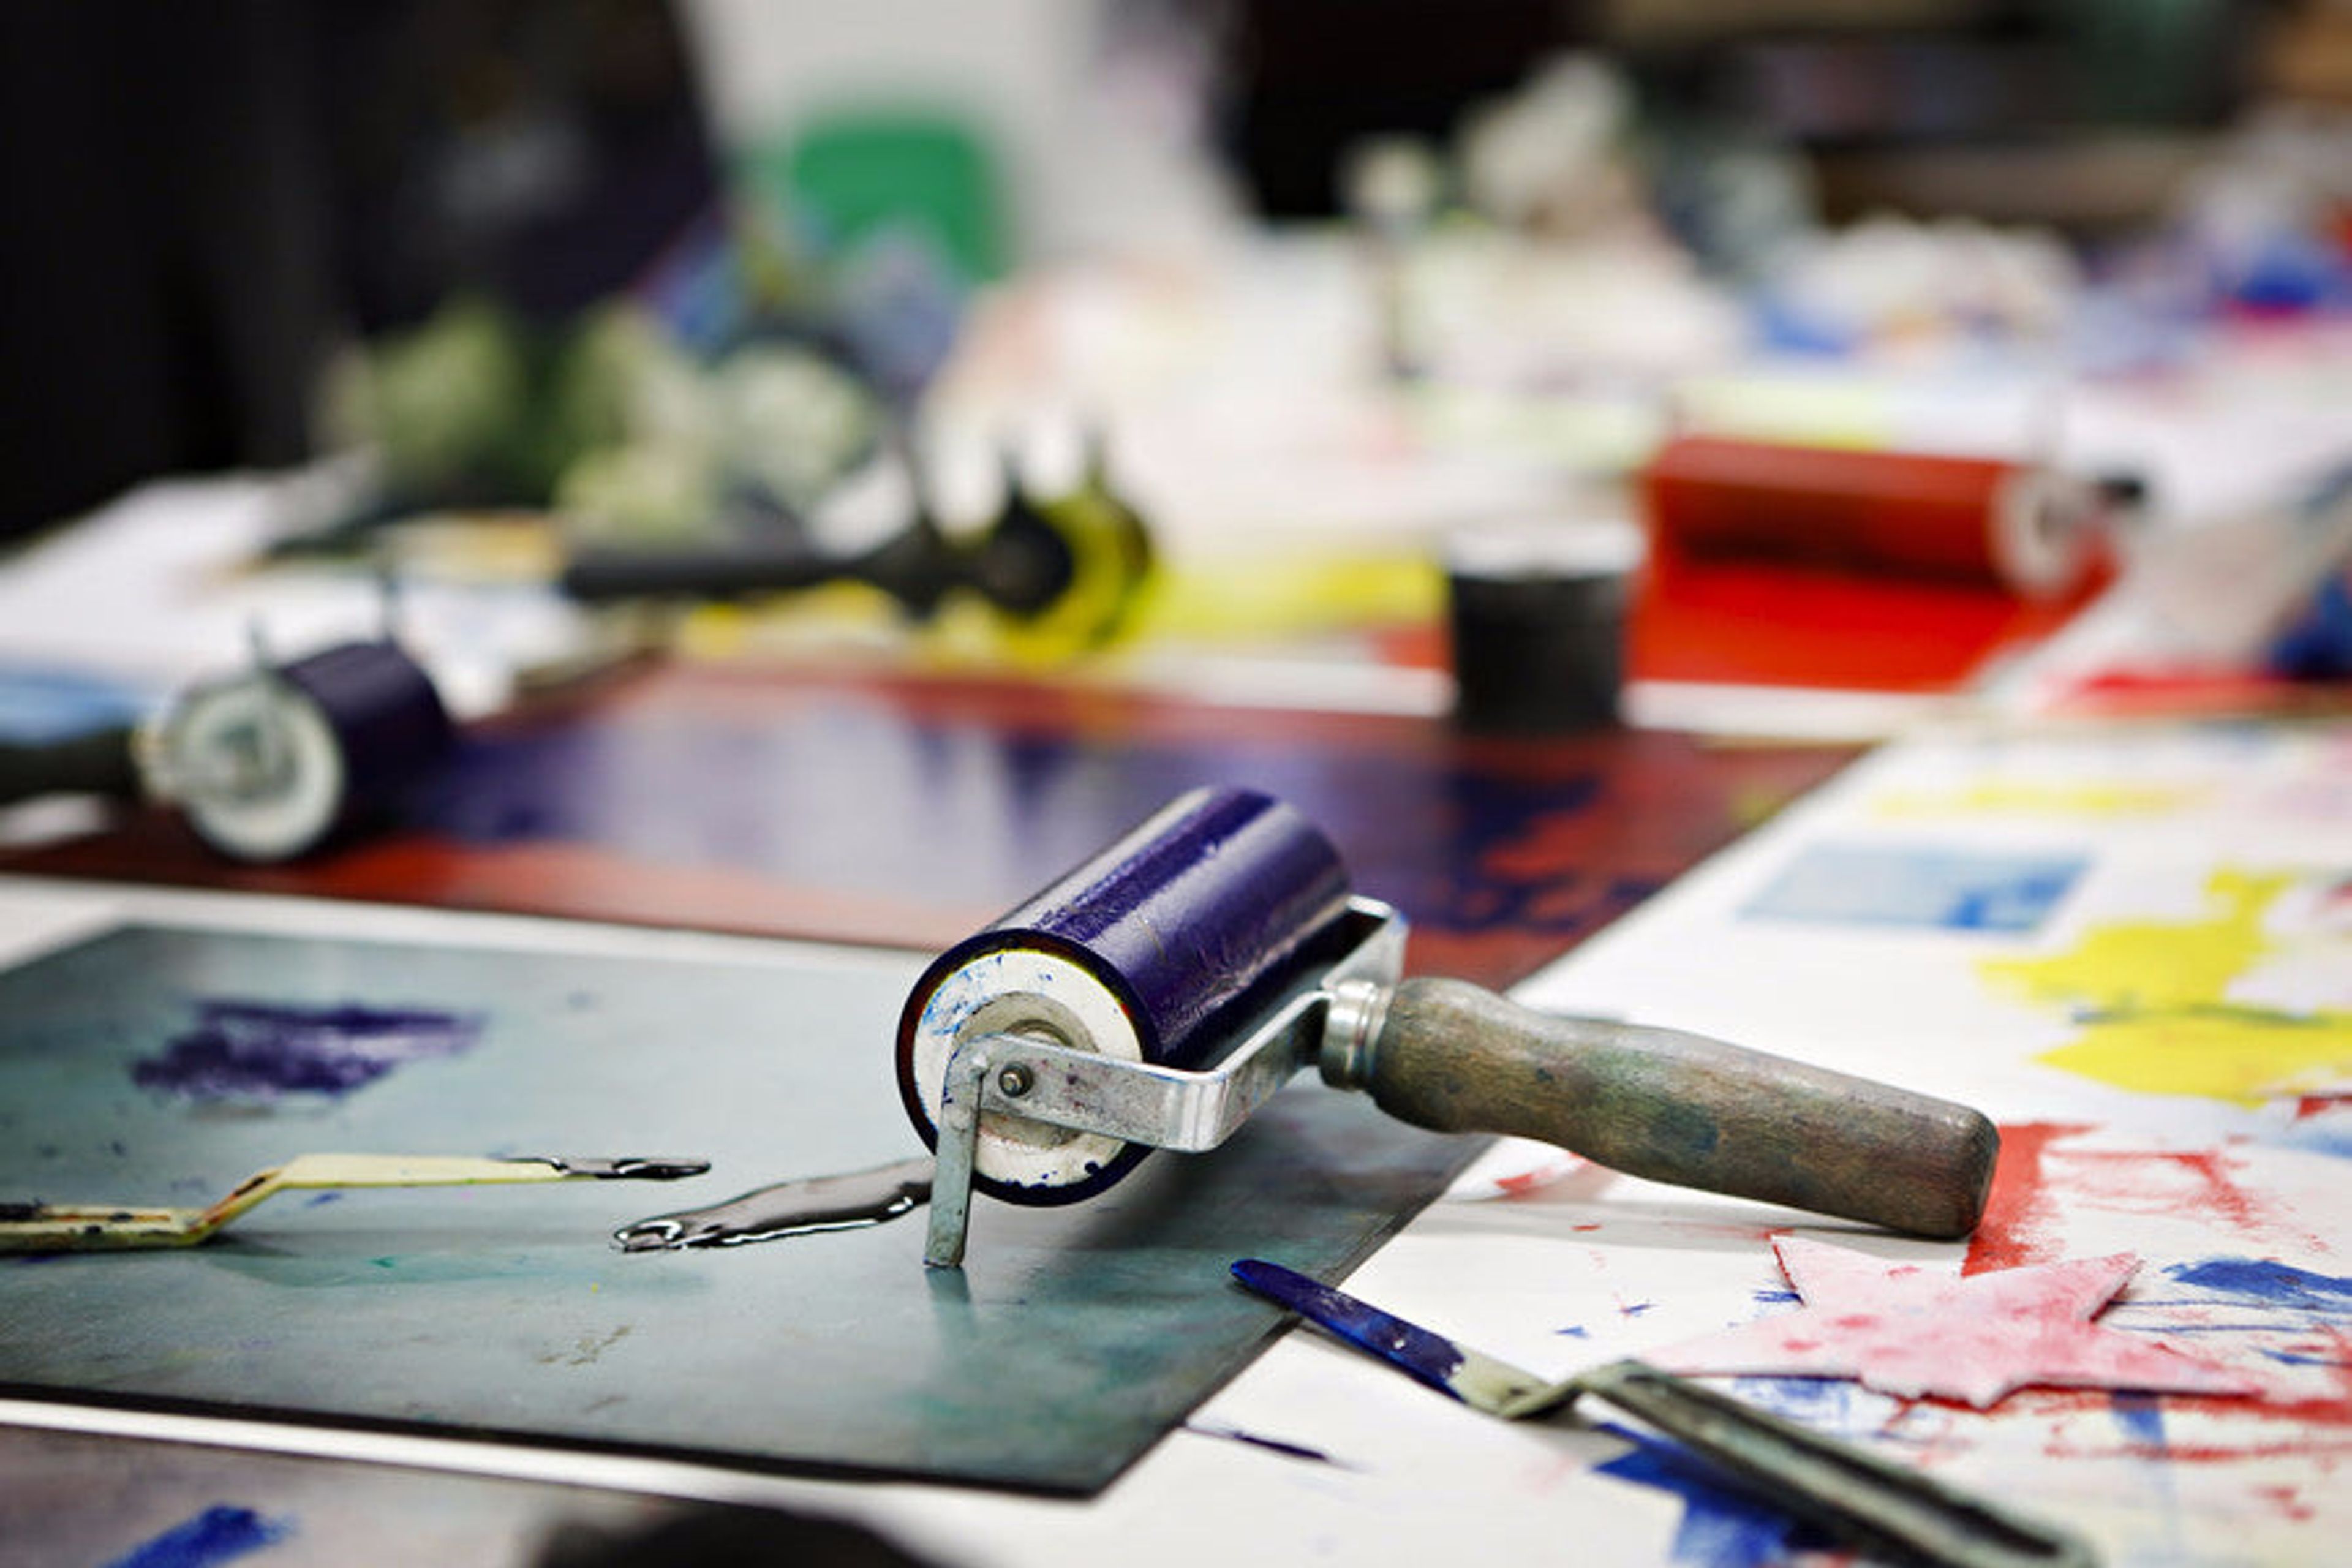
x=1827 y=1403
x=2332 y=1136
x=2141 y=1417
x=1942 y=890
x=43 y=703
x=1722 y=1526
x=1287 y=1448
x=222 y=1533
x=2268 y=1281
x=260 y=1051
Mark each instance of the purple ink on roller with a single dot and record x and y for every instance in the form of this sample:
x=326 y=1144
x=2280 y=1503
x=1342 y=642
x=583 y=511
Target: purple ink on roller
x=385 y=710
x=1142 y=951
x=269 y=765
x=1041 y=1058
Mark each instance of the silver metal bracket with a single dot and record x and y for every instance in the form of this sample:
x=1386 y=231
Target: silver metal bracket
x=1189 y=1110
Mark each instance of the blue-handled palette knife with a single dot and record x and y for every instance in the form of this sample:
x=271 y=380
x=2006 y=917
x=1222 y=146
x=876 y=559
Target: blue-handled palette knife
x=1854 y=1494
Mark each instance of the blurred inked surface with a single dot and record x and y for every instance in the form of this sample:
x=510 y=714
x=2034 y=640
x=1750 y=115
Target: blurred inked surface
x=913 y=811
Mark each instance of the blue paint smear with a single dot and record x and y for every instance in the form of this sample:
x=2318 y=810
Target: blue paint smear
x=2266 y=1280
x=2332 y=1137
x=220 y=1534
x=42 y=703
x=1777 y=1297
x=1722 y=1526
x=1576 y=1332
x=2141 y=1417
x=1272 y=1444
x=1825 y=1402
x=259 y=1050
x=1431 y=1358
x=1944 y=889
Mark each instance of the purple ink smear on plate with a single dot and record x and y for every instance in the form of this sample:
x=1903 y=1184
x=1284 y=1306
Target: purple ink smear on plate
x=261 y=1050
x=220 y=1534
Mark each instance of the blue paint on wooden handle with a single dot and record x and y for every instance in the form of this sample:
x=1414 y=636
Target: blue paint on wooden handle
x=1428 y=1356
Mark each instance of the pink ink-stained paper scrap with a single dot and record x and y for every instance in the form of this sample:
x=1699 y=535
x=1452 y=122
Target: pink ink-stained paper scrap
x=1910 y=1330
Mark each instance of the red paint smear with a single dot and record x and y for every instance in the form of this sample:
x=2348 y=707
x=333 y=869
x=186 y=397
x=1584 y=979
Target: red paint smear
x=2170 y=1182
x=2019 y=1209
x=2023 y=1206
x=1519 y=1183
x=2329 y=1413
x=2310 y=1427
x=2312 y=1105
x=2289 y=1501
x=2014 y=1233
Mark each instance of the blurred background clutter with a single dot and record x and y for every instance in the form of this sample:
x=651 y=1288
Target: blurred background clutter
x=627 y=527
x=1184 y=341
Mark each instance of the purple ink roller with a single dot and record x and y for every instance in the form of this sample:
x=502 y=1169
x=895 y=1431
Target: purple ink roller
x=1144 y=953
x=268 y=764
x=1159 y=993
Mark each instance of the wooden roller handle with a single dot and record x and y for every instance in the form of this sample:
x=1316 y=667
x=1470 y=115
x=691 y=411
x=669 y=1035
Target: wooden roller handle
x=1679 y=1108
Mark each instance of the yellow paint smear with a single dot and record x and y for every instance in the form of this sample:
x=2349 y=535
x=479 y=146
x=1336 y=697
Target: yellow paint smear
x=2156 y=1014
x=1291 y=595
x=1994 y=797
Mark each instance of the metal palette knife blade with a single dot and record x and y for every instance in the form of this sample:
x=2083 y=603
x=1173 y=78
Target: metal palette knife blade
x=1844 y=1488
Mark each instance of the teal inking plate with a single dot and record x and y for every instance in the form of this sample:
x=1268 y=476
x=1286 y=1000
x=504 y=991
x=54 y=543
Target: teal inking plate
x=1073 y=1337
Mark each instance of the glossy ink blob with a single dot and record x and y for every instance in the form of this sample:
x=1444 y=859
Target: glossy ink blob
x=849 y=1201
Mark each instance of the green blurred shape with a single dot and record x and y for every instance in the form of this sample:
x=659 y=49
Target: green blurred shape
x=856 y=174
x=448 y=401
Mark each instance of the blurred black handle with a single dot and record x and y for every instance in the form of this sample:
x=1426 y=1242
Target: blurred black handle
x=99 y=762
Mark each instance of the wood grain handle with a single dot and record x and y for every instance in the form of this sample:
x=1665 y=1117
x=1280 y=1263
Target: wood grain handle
x=1678 y=1107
